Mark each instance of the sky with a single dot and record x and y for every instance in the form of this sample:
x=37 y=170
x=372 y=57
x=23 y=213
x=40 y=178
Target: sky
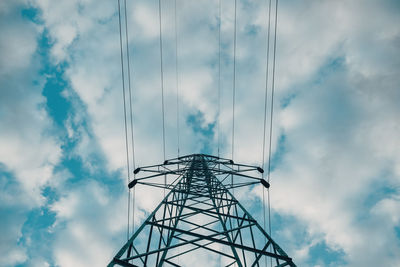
x=335 y=179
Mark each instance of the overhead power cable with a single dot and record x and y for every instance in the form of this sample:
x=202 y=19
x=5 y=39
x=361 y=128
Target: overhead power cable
x=219 y=92
x=219 y=76
x=162 y=85
x=234 y=84
x=272 y=92
x=265 y=104
x=266 y=83
x=131 y=110
x=271 y=118
x=177 y=79
x=234 y=91
x=124 y=105
x=177 y=89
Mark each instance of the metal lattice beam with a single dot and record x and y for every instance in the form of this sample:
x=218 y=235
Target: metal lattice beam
x=199 y=214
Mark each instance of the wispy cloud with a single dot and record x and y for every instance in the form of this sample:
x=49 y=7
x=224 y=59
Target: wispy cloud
x=336 y=166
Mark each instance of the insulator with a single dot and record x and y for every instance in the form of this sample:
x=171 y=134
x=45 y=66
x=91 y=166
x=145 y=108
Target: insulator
x=132 y=184
x=264 y=183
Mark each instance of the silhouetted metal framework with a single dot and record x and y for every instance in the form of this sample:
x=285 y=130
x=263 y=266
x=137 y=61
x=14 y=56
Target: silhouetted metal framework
x=200 y=219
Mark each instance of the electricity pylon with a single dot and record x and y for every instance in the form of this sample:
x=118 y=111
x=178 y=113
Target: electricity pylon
x=200 y=221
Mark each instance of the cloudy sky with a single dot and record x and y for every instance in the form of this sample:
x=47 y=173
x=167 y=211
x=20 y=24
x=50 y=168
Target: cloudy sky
x=335 y=181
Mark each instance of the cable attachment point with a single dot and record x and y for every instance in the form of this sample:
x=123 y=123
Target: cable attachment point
x=136 y=171
x=132 y=184
x=264 y=183
x=260 y=170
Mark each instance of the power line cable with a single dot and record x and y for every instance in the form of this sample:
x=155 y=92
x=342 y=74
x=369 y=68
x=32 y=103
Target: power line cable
x=162 y=86
x=266 y=85
x=219 y=75
x=124 y=100
x=177 y=80
x=272 y=93
x=219 y=89
x=265 y=107
x=233 y=92
x=130 y=107
x=129 y=87
x=234 y=84
x=271 y=118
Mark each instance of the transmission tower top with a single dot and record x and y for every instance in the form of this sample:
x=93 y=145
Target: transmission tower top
x=200 y=221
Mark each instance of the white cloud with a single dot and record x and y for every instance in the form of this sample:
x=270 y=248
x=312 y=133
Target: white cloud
x=86 y=225
x=335 y=145
x=144 y=16
x=338 y=142
x=28 y=151
x=13 y=205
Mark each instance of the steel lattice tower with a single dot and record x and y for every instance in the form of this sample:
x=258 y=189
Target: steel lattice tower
x=200 y=218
